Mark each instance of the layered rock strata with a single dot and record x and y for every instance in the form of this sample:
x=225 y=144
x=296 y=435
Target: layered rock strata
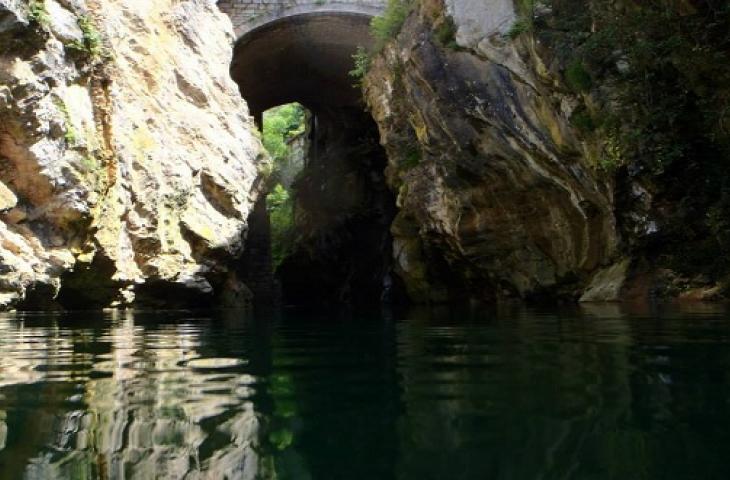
x=498 y=197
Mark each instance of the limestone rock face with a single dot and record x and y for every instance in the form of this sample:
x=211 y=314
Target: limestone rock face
x=8 y=199
x=11 y=15
x=607 y=285
x=497 y=195
x=478 y=20
x=128 y=162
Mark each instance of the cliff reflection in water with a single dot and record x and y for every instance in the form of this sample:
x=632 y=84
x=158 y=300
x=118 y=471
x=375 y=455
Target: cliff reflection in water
x=124 y=401
x=435 y=394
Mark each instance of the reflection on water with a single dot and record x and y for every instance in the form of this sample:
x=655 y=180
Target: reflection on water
x=116 y=400
x=595 y=393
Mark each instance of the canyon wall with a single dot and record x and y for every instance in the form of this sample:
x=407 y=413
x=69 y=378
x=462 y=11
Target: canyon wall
x=497 y=195
x=128 y=160
x=532 y=159
x=562 y=149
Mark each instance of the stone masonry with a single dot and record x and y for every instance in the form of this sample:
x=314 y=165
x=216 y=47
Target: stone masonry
x=247 y=15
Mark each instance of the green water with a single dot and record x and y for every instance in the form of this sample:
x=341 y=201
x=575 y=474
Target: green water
x=597 y=393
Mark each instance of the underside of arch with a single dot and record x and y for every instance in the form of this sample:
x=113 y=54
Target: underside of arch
x=304 y=58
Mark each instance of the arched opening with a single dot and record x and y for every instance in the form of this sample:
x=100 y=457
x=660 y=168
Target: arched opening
x=339 y=245
x=303 y=58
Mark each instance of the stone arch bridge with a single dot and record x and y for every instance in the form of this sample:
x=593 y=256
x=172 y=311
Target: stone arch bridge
x=248 y=15
x=301 y=51
x=298 y=50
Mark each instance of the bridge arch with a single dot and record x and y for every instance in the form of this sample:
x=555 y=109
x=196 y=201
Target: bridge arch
x=342 y=207
x=298 y=50
x=248 y=15
x=303 y=58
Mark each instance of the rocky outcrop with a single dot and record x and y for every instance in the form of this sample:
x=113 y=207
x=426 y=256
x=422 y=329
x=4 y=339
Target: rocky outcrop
x=498 y=195
x=557 y=148
x=128 y=162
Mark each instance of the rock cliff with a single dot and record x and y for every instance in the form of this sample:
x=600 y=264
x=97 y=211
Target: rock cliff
x=497 y=195
x=562 y=149
x=556 y=149
x=128 y=161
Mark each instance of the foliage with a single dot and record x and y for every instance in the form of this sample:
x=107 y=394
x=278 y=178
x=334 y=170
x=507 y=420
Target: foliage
x=280 y=125
x=281 y=211
x=577 y=78
x=281 y=439
x=37 y=13
x=582 y=120
x=91 y=42
x=386 y=26
x=383 y=28
x=279 y=196
x=660 y=69
x=70 y=134
x=92 y=37
x=362 y=64
x=525 y=18
x=412 y=157
x=89 y=163
x=526 y=8
x=518 y=28
x=666 y=70
x=612 y=152
x=445 y=33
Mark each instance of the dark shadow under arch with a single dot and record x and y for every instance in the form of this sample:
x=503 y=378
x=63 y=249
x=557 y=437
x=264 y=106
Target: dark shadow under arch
x=303 y=58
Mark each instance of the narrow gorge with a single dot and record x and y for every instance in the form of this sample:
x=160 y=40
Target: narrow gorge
x=456 y=151
x=364 y=239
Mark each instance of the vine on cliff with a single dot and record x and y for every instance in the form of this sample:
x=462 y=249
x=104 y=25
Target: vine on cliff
x=362 y=64
x=525 y=18
x=664 y=64
x=91 y=43
x=37 y=13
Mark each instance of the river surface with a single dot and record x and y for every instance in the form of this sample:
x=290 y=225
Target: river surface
x=513 y=393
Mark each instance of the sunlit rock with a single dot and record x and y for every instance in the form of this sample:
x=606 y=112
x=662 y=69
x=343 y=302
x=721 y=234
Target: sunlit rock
x=123 y=143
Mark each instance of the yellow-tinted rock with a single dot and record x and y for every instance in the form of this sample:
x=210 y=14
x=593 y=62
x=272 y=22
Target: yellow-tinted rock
x=107 y=145
x=8 y=199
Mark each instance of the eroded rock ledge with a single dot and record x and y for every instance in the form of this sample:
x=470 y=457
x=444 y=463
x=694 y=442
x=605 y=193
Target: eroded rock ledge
x=128 y=162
